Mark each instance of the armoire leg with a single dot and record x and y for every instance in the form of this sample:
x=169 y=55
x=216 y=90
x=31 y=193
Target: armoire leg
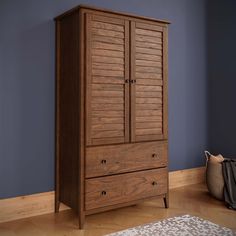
x=166 y=200
x=81 y=218
x=57 y=205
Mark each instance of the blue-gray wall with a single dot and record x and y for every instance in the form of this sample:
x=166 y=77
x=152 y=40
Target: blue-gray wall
x=222 y=76
x=27 y=86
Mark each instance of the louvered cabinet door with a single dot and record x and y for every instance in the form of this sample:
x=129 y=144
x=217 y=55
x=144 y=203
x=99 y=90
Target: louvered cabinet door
x=107 y=74
x=148 y=82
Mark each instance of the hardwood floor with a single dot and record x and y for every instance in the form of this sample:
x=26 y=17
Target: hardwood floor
x=193 y=200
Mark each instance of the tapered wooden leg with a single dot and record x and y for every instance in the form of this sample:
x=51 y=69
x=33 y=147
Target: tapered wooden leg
x=81 y=219
x=57 y=205
x=166 y=200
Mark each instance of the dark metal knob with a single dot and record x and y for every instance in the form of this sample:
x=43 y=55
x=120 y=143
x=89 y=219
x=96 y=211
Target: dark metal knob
x=154 y=183
x=103 y=161
x=126 y=81
x=154 y=155
x=133 y=81
x=104 y=193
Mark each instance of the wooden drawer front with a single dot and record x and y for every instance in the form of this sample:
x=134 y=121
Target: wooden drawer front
x=110 y=190
x=122 y=158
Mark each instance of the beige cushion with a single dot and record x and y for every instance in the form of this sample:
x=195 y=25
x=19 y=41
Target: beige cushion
x=214 y=176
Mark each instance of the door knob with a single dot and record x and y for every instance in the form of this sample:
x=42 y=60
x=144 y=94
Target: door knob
x=103 y=161
x=154 y=155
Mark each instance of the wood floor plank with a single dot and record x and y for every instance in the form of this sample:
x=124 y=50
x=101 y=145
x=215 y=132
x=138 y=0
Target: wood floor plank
x=191 y=199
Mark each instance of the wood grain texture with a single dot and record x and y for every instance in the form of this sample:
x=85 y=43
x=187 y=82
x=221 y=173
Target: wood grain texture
x=148 y=39
x=67 y=117
x=147 y=32
x=108 y=33
x=147 y=94
x=28 y=206
x=114 y=159
x=186 y=177
x=57 y=117
x=111 y=91
x=88 y=80
x=165 y=83
x=82 y=141
x=149 y=75
x=192 y=200
x=127 y=86
x=111 y=190
x=104 y=66
x=107 y=93
x=148 y=63
x=132 y=78
x=43 y=203
x=105 y=25
x=108 y=46
x=149 y=26
x=107 y=13
x=149 y=81
x=148 y=45
x=108 y=19
x=147 y=57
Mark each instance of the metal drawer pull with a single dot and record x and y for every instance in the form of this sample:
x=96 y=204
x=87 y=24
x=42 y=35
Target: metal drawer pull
x=133 y=81
x=154 y=183
x=154 y=155
x=104 y=161
x=104 y=193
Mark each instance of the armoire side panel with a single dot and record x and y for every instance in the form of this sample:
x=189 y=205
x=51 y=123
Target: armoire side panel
x=67 y=117
x=107 y=91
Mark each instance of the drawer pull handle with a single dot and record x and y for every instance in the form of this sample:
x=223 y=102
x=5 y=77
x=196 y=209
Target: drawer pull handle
x=104 y=193
x=154 y=183
x=104 y=161
x=154 y=155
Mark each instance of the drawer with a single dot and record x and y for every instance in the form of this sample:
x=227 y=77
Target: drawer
x=110 y=190
x=114 y=159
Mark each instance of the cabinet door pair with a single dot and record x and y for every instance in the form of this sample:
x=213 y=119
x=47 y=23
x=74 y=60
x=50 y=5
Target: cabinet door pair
x=126 y=64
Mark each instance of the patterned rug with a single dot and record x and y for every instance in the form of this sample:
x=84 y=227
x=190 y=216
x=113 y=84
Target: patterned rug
x=185 y=225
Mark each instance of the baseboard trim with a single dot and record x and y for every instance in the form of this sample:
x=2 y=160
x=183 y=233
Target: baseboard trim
x=43 y=203
x=181 y=178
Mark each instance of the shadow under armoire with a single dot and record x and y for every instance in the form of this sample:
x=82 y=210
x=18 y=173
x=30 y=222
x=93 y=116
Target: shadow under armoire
x=111 y=112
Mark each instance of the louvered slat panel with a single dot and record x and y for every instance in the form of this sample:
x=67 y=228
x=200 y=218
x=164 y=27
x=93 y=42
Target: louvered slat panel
x=107 y=92
x=147 y=93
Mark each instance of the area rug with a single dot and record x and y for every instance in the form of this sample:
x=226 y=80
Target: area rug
x=185 y=225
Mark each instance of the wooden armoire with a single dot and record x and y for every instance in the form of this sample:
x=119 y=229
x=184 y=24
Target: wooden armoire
x=111 y=110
